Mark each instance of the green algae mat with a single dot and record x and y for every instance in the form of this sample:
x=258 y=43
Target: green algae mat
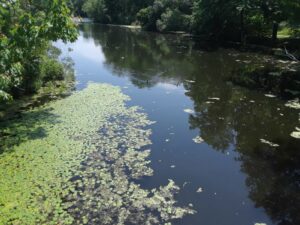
x=76 y=160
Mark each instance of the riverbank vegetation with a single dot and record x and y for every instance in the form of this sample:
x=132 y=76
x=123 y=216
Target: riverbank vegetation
x=271 y=27
x=27 y=59
x=219 y=20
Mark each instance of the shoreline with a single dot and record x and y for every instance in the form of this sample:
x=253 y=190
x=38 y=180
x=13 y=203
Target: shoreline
x=50 y=91
x=255 y=44
x=135 y=27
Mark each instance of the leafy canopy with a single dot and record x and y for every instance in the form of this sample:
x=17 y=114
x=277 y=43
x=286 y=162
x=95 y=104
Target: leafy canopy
x=26 y=28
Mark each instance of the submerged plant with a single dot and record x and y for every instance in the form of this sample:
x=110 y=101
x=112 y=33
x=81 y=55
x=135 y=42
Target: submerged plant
x=75 y=161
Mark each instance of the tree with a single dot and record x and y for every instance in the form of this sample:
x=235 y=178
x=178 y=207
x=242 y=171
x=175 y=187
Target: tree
x=26 y=28
x=277 y=11
x=166 y=15
x=77 y=7
x=97 y=10
x=219 y=19
x=114 y=11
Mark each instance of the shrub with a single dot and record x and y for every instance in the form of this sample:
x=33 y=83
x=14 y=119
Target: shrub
x=51 y=69
x=171 y=20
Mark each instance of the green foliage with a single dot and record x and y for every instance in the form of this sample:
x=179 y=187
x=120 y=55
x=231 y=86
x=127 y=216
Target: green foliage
x=228 y=19
x=218 y=19
x=146 y=18
x=26 y=28
x=166 y=15
x=214 y=17
x=77 y=7
x=51 y=69
x=171 y=20
x=96 y=9
x=114 y=11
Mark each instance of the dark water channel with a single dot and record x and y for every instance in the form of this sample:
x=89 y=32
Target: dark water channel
x=233 y=177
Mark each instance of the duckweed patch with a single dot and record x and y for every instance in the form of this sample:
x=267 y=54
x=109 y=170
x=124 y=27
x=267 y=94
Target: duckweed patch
x=294 y=104
x=296 y=134
x=75 y=161
x=189 y=111
x=198 y=140
x=269 y=143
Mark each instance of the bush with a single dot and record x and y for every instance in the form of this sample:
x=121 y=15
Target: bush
x=25 y=31
x=256 y=25
x=51 y=69
x=147 y=18
x=32 y=79
x=171 y=20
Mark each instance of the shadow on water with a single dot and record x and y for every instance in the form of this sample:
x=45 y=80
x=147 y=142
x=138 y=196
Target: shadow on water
x=24 y=118
x=273 y=173
x=226 y=117
x=273 y=180
x=28 y=126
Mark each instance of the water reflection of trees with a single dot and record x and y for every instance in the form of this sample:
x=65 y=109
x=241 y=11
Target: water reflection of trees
x=150 y=58
x=273 y=175
x=273 y=180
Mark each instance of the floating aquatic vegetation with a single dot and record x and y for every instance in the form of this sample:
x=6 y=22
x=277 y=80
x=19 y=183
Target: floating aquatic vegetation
x=295 y=104
x=269 y=143
x=199 y=190
x=190 y=81
x=185 y=183
x=296 y=134
x=74 y=161
x=270 y=96
x=214 y=98
x=189 y=111
x=198 y=140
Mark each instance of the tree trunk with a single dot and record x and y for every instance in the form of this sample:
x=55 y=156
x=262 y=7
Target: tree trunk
x=275 y=31
x=242 y=27
x=242 y=24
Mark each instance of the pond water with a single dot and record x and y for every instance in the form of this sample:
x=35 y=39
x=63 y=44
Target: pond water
x=246 y=170
x=229 y=149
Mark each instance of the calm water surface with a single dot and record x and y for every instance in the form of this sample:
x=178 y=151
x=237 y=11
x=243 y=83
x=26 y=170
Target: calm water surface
x=243 y=180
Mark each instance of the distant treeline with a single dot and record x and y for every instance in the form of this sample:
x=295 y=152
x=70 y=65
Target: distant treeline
x=218 y=19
